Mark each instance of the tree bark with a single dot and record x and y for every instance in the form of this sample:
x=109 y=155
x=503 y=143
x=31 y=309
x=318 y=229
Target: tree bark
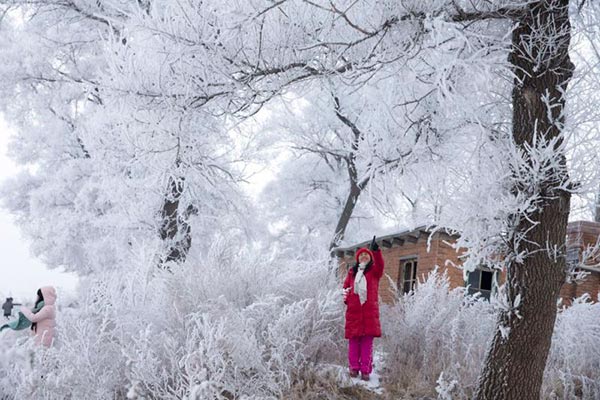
x=355 y=191
x=597 y=207
x=515 y=363
x=356 y=187
x=175 y=230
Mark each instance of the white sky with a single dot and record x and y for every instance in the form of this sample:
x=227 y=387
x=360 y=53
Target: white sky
x=20 y=273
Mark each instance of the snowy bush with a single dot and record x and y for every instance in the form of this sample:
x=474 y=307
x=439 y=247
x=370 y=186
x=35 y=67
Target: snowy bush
x=246 y=326
x=238 y=326
x=573 y=368
x=435 y=341
x=14 y=364
x=431 y=331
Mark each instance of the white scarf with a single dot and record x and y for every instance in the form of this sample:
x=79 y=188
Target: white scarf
x=360 y=283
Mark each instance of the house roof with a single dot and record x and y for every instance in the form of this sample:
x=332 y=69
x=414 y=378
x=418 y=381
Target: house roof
x=423 y=232
x=398 y=238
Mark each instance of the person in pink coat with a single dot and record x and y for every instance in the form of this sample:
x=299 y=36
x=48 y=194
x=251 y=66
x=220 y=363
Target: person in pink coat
x=361 y=296
x=43 y=321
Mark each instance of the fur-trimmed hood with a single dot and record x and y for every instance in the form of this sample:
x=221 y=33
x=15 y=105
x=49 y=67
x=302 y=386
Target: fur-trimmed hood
x=49 y=294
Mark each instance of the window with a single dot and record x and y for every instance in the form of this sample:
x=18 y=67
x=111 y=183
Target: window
x=572 y=256
x=408 y=275
x=481 y=281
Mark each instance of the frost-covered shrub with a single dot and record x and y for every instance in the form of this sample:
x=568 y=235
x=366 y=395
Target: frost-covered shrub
x=435 y=341
x=235 y=326
x=573 y=368
x=244 y=326
x=14 y=364
x=431 y=331
x=83 y=363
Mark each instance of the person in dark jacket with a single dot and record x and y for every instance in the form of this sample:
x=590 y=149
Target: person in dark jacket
x=8 y=306
x=361 y=296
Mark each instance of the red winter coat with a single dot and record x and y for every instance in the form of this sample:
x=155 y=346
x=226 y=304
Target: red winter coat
x=363 y=319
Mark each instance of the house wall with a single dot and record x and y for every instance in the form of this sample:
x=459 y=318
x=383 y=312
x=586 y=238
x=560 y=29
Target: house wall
x=568 y=292
x=590 y=285
x=581 y=234
x=440 y=254
x=427 y=261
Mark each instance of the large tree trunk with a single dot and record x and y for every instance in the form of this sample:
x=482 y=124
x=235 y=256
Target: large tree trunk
x=515 y=362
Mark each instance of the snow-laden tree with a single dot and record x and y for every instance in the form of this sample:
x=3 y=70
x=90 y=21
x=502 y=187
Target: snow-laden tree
x=117 y=136
x=147 y=105
x=337 y=151
x=508 y=192
x=539 y=181
x=58 y=198
x=401 y=93
x=304 y=201
x=516 y=214
x=526 y=196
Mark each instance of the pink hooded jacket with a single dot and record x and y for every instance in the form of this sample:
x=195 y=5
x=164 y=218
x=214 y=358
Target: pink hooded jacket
x=45 y=318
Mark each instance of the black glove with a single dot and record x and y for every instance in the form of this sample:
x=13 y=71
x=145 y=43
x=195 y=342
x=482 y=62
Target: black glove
x=373 y=246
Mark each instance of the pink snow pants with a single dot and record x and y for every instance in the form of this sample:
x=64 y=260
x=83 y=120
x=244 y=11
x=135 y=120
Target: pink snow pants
x=360 y=354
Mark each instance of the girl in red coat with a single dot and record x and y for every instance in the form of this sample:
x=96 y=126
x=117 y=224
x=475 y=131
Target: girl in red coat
x=361 y=295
